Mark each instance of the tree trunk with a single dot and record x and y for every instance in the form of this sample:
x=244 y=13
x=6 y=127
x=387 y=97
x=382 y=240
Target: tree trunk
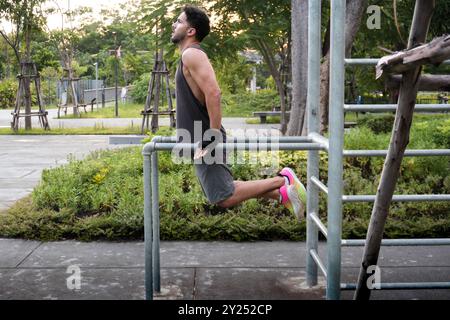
x=354 y=13
x=399 y=140
x=427 y=82
x=27 y=71
x=299 y=68
x=276 y=77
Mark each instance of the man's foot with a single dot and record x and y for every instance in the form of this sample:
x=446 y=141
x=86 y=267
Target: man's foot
x=294 y=193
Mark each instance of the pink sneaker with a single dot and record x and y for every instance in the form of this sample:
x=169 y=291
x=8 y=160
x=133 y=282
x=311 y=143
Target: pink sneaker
x=295 y=191
x=290 y=199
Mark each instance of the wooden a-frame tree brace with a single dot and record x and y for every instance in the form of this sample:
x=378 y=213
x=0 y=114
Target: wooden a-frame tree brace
x=68 y=83
x=27 y=74
x=409 y=63
x=155 y=96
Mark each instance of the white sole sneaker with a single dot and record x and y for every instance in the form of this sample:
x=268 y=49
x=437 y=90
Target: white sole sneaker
x=297 y=204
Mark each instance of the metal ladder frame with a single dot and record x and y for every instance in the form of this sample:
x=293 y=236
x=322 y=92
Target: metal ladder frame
x=314 y=143
x=336 y=152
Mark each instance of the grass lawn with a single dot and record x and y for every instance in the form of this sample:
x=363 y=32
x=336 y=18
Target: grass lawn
x=128 y=110
x=75 y=131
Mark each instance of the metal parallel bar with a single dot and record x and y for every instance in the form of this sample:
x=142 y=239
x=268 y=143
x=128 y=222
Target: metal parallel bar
x=316 y=137
x=148 y=234
x=398 y=198
x=335 y=158
x=319 y=224
x=319 y=184
x=399 y=242
x=371 y=61
x=312 y=109
x=316 y=258
x=168 y=146
x=393 y=107
x=155 y=212
x=280 y=139
x=402 y=286
x=408 y=153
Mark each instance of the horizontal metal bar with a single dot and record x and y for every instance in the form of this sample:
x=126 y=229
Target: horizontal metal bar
x=398 y=198
x=319 y=184
x=399 y=242
x=319 y=263
x=371 y=61
x=243 y=146
x=408 y=153
x=280 y=139
x=403 y=286
x=319 y=224
x=393 y=107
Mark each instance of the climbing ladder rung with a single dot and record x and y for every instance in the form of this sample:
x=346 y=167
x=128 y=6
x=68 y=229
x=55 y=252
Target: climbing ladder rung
x=399 y=242
x=319 y=224
x=398 y=198
x=371 y=61
x=319 y=263
x=408 y=153
x=319 y=184
x=393 y=107
x=402 y=285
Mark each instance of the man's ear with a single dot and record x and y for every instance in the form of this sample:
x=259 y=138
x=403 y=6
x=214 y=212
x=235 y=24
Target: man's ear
x=192 y=31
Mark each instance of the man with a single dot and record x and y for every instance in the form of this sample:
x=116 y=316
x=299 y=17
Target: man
x=198 y=103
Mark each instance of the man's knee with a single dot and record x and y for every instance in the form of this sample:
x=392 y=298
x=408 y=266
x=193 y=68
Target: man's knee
x=227 y=203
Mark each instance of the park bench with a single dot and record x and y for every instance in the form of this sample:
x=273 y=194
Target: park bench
x=160 y=113
x=264 y=114
x=64 y=106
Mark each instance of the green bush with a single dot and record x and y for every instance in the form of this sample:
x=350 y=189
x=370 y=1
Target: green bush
x=140 y=88
x=8 y=92
x=378 y=124
x=245 y=103
x=101 y=197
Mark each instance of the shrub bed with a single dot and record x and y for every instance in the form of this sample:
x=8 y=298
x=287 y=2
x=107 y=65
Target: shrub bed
x=101 y=197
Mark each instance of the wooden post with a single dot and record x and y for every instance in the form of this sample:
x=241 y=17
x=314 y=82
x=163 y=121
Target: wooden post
x=399 y=140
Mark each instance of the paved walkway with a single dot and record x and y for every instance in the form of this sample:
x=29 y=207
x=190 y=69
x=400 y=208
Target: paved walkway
x=190 y=270
x=23 y=158
x=54 y=122
x=201 y=270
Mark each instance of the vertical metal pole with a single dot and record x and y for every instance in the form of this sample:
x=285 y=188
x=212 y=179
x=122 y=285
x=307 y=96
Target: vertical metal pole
x=96 y=84
x=148 y=229
x=155 y=219
x=336 y=133
x=312 y=105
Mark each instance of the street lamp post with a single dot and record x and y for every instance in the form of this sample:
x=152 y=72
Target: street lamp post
x=116 y=75
x=96 y=84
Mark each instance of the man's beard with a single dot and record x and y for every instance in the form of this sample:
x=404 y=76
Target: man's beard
x=177 y=38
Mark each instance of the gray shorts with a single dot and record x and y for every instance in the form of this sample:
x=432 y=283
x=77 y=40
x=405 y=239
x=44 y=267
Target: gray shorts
x=216 y=181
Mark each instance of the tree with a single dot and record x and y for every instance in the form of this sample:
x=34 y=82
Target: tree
x=25 y=18
x=354 y=14
x=264 y=26
x=299 y=18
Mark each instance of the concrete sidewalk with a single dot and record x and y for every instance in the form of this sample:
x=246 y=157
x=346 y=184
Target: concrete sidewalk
x=202 y=270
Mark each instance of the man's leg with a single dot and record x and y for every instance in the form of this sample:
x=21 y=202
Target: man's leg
x=245 y=190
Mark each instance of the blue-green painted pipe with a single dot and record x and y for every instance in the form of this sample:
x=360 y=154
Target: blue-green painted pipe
x=336 y=130
x=155 y=219
x=403 y=285
x=148 y=234
x=312 y=108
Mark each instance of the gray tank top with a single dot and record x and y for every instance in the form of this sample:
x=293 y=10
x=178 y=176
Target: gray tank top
x=189 y=109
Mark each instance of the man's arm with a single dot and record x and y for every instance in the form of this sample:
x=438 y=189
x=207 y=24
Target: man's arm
x=203 y=74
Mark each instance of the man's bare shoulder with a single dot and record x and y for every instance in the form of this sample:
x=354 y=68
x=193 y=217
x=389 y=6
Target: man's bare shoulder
x=193 y=56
